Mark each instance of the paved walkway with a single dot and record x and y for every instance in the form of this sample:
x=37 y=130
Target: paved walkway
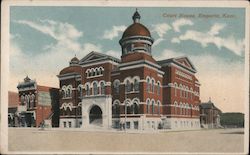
x=76 y=140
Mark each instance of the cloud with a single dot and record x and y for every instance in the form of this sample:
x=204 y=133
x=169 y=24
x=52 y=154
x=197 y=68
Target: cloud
x=56 y=30
x=158 y=41
x=114 y=53
x=161 y=29
x=114 y=32
x=52 y=58
x=175 y=40
x=181 y=22
x=216 y=28
x=210 y=37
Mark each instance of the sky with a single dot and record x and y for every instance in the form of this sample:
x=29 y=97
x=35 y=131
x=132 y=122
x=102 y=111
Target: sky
x=43 y=39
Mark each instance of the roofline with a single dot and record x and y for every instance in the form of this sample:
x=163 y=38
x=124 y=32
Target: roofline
x=173 y=60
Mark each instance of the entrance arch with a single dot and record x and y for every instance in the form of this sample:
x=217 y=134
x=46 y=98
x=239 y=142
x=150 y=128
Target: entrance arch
x=95 y=116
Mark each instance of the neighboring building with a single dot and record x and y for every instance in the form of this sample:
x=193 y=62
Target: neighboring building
x=12 y=109
x=37 y=104
x=209 y=115
x=136 y=92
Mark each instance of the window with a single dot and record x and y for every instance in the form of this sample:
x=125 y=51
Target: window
x=22 y=100
x=153 y=85
x=102 y=88
x=175 y=108
x=191 y=93
x=80 y=90
x=64 y=124
x=135 y=108
x=87 y=90
x=95 y=88
x=175 y=89
x=69 y=124
x=148 y=85
x=128 y=86
x=148 y=106
x=27 y=100
x=181 y=90
x=153 y=107
x=128 y=125
x=158 y=88
x=136 y=125
x=158 y=107
x=116 y=86
x=136 y=85
x=32 y=100
x=180 y=108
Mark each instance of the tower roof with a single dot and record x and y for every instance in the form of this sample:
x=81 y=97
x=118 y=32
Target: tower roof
x=136 y=29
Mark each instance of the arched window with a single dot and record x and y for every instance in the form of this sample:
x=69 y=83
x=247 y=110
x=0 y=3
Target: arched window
x=80 y=90
x=96 y=71
x=128 y=86
x=180 y=90
x=158 y=107
x=95 y=88
x=175 y=89
x=153 y=85
x=116 y=86
x=191 y=93
x=148 y=106
x=135 y=108
x=187 y=92
x=69 y=91
x=102 y=88
x=158 y=88
x=175 y=107
x=180 y=108
x=87 y=90
x=136 y=85
x=153 y=106
x=116 y=108
x=148 y=85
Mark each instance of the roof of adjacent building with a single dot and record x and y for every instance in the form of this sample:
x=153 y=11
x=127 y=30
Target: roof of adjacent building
x=208 y=105
x=71 y=69
x=13 y=99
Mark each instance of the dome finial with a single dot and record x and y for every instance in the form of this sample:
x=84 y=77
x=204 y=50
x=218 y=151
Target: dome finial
x=136 y=16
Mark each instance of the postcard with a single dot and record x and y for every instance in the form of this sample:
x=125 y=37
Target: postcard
x=124 y=77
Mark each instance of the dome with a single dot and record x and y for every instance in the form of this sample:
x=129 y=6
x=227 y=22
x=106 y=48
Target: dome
x=71 y=69
x=136 y=29
x=75 y=59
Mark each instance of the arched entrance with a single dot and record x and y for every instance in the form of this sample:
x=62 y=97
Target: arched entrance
x=95 y=116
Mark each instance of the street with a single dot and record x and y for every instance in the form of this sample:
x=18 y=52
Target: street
x=57 y=140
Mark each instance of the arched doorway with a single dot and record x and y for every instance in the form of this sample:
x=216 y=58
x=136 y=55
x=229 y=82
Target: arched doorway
x=95 y=116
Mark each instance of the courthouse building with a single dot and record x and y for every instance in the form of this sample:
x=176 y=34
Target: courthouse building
x=136 y=91
x=37 y=104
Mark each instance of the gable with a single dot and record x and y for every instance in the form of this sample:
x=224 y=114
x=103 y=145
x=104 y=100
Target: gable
x=92 y=56
x=95 y=56
x=185 y=62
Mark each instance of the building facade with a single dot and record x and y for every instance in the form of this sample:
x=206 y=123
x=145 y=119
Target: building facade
x=12 y=109
x=209 y=115
x=134 y=92
x=37 y=104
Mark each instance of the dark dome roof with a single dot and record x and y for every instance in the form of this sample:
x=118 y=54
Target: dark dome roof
x=71 y=69
x=136 y=29
x=74 y=60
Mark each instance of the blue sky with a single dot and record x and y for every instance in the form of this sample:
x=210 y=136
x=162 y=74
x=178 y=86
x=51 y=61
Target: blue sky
x=44 y=39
